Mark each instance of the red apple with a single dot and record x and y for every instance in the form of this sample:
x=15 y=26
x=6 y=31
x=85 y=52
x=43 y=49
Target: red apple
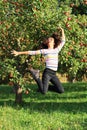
x=72 y=4
x=66 y=13
x=83 y=60
x=3 y=48
x=69 y=53
x=0 y=23
x=81 y=44
x=27 y=91
x=69 y=28
x=17 y=10
x=69 y=18
x=67 y=25
x=16 y=3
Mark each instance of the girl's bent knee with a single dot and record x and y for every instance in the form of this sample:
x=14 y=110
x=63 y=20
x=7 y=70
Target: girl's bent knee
x=44 y=92
x=61 y=91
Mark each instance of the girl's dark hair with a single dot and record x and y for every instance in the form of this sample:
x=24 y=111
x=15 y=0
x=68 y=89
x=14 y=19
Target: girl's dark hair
x=44 y=43
x=57 y=39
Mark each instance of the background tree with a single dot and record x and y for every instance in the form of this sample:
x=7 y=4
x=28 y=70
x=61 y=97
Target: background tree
x=23 y=26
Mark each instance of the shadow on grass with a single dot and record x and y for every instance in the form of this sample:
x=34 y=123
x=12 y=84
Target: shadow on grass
x=61 y=106
x=69 y=107
x=75 y=87
x=67 y=102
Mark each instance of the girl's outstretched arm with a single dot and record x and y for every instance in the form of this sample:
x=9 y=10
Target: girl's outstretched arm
x=16 y=53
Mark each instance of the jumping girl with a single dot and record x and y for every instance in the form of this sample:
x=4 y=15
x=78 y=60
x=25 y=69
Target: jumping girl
x=53 y=46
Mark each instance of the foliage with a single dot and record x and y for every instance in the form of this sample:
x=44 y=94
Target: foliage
x=25 y=23
x=73 y=56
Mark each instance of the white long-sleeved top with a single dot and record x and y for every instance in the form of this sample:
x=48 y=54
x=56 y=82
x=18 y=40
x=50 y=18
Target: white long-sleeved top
x=51 y=56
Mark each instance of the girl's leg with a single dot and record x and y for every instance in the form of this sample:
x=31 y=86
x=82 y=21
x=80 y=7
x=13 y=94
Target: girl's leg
x=36 y=77
x=45 y=80
x=35 y=73
x=57 y=85
x=42 y=85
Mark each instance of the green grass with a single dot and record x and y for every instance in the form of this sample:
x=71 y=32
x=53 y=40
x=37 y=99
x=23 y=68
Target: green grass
x=67 y=111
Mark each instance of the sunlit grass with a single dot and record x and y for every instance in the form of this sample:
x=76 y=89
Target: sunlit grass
x=67 y=111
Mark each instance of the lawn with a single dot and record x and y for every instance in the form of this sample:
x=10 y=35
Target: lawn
x=67 y=111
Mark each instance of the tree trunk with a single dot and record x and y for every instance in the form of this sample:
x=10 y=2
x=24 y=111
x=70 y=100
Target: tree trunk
x=18 y=94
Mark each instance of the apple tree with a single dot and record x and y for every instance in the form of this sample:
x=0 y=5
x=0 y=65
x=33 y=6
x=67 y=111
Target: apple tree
x=73 y=58
x=25 y=23
x=23 y=26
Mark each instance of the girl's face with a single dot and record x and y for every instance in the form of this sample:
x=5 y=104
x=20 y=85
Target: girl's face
x=50 y=39
x=49 y=42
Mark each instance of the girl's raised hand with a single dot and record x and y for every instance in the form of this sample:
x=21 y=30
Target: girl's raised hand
x=61 y=28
